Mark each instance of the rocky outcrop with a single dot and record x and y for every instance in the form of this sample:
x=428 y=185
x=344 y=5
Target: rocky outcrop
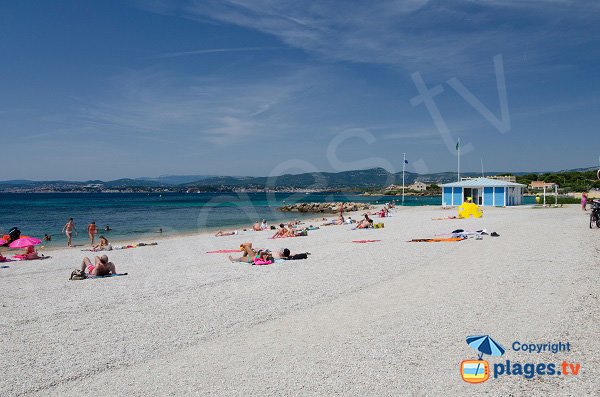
x=329 y=208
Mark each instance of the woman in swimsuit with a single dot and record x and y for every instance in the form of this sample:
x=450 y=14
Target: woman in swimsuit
x=68 y=229
x=103 y=245
x=248 y=254
x=92 y=230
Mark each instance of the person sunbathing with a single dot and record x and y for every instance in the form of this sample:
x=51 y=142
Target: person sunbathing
x=248 y=254
x=365 y=223
x=281 y=232
x=101 y=266
x=221 y=233
x=263 y=257
x=31 y=253
x=339 y=221
x=102 y=245
x=256 y=227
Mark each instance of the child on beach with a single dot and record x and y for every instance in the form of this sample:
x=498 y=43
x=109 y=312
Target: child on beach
x=68 y=229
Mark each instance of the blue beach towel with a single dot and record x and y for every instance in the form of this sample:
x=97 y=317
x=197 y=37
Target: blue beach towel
x=109 y=276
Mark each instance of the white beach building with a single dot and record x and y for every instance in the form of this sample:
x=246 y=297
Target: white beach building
x=484 y=192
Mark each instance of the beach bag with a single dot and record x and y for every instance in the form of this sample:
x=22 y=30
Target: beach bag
x=78 y=275
x=298 y=256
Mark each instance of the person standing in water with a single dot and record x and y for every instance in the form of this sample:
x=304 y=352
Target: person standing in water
x=68 y=229
x=92 y=230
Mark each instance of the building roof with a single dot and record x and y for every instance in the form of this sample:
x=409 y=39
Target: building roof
x=541 y=184
x=478 y=182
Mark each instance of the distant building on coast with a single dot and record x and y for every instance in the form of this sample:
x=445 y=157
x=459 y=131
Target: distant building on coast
x=483 y=191
x=541 y=185
x=418 y=186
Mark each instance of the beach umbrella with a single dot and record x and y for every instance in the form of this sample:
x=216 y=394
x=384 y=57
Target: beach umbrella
x=25 y=242
x=485 y=345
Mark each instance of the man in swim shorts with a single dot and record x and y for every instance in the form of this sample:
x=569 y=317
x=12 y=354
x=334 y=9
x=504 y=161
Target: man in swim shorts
x=101 y=266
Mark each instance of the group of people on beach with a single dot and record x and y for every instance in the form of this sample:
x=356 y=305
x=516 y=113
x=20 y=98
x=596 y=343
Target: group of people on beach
x=69 y=228
x=265 y=256
x=291 y=230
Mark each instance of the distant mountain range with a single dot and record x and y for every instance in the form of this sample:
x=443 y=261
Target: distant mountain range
x=369 y=178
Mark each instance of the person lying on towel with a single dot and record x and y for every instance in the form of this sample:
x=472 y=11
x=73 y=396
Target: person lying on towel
x=365 y=223
x=101 y=266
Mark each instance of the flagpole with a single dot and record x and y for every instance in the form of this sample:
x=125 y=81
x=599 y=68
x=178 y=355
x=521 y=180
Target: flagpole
x=458 y=148
x=403 y=167
x=482 y=174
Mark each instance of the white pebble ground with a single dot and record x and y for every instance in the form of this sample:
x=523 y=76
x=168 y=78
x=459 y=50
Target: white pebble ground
x=385 y=318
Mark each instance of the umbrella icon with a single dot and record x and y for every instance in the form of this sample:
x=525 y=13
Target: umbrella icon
x=485 y=345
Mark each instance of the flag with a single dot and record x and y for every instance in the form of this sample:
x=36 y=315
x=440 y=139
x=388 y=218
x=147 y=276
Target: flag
x=405 y=161
x=458 y=144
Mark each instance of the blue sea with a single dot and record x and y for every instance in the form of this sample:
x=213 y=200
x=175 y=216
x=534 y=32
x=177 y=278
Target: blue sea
x=141 y=215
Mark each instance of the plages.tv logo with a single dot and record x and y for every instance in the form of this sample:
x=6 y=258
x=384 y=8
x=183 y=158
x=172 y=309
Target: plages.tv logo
x=478 y=371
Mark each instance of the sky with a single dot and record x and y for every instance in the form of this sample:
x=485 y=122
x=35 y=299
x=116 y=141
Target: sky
x=108 y=89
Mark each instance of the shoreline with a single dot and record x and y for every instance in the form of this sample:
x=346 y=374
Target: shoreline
x=208 y=232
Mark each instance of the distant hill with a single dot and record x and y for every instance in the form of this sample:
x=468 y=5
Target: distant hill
x=359 y=179
x=176 y=179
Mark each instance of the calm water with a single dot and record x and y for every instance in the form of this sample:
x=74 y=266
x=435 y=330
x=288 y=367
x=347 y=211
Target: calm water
x=141 y=215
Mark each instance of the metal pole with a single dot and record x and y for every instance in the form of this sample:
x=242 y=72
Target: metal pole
x=403 y=166
x=544 y=195
x=458 y=159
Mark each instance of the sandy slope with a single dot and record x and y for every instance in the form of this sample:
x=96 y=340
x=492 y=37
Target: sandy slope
x=386 y=318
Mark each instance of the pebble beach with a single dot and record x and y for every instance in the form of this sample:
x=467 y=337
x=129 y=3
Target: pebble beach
x=383 y=318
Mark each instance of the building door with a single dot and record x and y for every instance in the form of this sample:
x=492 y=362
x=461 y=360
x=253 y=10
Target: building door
x=467 y=192
x=477 y=196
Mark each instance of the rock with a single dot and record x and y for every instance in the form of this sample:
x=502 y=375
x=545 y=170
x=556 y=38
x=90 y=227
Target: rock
x=331 y=208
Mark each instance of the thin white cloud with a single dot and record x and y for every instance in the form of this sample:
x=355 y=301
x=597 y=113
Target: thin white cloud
x=216 y=50
x=426 y=35
x=169 y=108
